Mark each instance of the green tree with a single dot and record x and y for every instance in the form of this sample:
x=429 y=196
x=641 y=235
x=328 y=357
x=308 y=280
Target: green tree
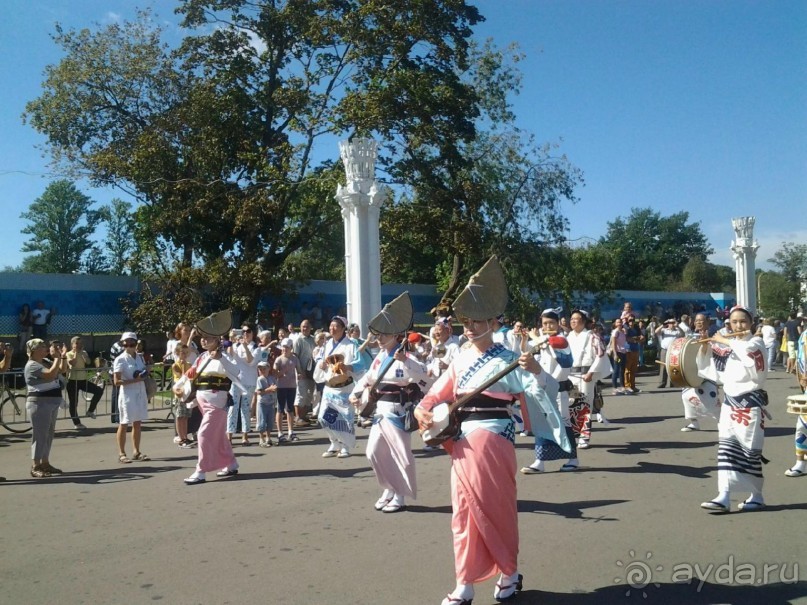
x=791 y=259
x=651 y=251
x=219 y=138
x=501 y=194
x=120 y=236
x=776 y=294
x=699 y=276
x=62 y=223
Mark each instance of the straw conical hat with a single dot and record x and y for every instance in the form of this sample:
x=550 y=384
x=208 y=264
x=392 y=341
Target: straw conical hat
x=485 y=296
x=395 y=317
x=217 y=324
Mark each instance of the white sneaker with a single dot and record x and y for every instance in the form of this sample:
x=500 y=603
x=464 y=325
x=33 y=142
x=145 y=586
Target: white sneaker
x=177 y=439
x=329 y=454
x=602 y=419
x=582 y=444
x=343 y=453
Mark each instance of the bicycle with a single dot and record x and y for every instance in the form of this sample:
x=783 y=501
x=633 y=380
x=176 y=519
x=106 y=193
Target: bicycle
x=102 y=367
x=12 y=416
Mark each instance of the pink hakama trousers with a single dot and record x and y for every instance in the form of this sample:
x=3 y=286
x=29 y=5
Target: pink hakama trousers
x=215 y=449
x=484 y=520
x=389 y=451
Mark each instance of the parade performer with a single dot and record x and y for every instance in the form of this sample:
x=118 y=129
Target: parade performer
x=483 y=462
x=445 y=346
x=736 y=358
x=393 y=384
x=702 y=400
x=556 y=361
x=335 y=369
x=800 y=468
x=212 y=374
x=589 y=364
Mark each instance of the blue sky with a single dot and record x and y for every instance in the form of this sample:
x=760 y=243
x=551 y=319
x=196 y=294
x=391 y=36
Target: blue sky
x=677 y=105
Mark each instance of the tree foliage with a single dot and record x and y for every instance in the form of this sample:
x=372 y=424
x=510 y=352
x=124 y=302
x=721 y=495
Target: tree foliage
x=120 y=244
x=778 y=295
x=62 y=223
x=782 y=291
x=501 y=194
x=220 y=139
x=791 y=259
x=651 y=251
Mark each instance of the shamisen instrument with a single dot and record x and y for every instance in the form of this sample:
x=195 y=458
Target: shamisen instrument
x=369 y=398
x=445 y=424
x=797 y=404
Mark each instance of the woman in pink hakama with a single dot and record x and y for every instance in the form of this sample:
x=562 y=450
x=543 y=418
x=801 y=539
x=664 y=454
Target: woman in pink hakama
x=213 y=373
x=483 y=463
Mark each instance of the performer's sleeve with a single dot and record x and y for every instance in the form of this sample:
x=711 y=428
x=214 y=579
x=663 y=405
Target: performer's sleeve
x=351 y=353
x=601 y=366
x=231 y=369
x=320 y=375
x=706 y=369
x=367 y=378
x=441 y=391
x=545 y=418
x=416 y=369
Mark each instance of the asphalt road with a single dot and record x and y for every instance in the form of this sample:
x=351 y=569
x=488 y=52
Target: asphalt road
x=294 y=528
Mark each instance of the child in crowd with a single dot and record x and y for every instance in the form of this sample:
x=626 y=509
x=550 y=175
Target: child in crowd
x=287 y=368
x=181 y=411
x=266 y=392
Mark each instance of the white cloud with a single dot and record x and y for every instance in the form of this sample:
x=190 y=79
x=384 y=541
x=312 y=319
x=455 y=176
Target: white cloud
x=769 y=243
x=111 y=17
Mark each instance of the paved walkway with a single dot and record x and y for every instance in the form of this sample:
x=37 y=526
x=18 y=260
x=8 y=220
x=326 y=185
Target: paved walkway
x=296 y=528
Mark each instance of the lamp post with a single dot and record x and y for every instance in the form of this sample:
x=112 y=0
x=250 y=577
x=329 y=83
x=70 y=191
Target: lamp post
x=759 y=293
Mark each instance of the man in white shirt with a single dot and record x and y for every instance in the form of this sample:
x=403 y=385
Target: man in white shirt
x=40 y=318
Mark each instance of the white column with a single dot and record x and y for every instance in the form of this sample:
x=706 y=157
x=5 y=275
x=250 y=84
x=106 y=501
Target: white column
x=360 y=200
x=745 y=247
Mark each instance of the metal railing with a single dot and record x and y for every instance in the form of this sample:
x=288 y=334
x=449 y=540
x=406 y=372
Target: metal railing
x=13 y=391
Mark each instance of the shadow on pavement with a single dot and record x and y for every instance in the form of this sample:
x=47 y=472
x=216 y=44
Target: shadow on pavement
x=126 y=472
x=692 y=593
x=569 y=510
x=702 y=472
x=645 y=447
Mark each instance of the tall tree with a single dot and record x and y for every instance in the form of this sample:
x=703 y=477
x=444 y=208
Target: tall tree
x=62 y=223
x=501 y=194
x=786 y=289
x=778 y=295
x=220 y=138
x=791 y=259
x=651 y=250
x=120 y=240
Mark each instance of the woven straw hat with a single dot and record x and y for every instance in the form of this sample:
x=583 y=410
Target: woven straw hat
x=485 y=296
x=395 y=317
x=216 y=324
